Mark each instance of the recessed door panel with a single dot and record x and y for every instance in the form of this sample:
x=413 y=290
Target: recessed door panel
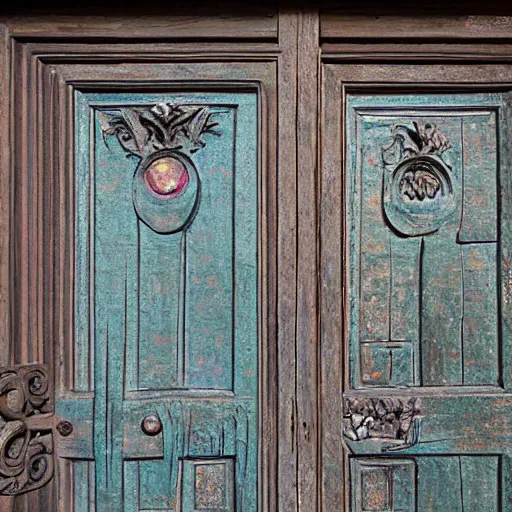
x=424 y=394
x=424 y=240
x=166 y=350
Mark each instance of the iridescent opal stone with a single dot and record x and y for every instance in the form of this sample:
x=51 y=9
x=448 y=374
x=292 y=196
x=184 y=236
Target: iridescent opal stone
x=166 y=176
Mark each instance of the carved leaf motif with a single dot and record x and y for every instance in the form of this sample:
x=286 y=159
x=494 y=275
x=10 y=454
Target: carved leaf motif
x=407 y=143
x=142 y=131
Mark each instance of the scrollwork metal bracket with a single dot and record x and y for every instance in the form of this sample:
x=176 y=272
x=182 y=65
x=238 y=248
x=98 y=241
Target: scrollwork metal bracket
x=26 y=424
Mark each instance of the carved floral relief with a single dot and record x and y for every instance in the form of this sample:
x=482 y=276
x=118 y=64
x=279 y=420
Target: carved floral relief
x=166 y=184
x=417 y=189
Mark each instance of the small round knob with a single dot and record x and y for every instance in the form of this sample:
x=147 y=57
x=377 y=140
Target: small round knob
x=65 y=428
x=151 y=425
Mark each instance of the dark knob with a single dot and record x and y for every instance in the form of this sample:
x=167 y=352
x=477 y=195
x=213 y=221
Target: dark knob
x=151 y=425
x=65 y=428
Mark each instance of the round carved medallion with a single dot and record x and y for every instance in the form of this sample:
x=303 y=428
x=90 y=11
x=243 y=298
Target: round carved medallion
x=418 y=196
x=166 y=191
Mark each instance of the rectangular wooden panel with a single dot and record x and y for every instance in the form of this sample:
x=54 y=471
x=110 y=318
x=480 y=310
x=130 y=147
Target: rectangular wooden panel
x=340 y=25
x=459 y=483
x=383 y=485
x=171 y=312
x=208 y=486
x=423 y=281
x=438 y=483
x=480 y=191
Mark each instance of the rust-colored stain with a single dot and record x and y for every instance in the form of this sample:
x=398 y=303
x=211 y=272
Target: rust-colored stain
x=164 y=340
x=475 y=263
x=210 y=487
x=109 y=187
x=213 y=281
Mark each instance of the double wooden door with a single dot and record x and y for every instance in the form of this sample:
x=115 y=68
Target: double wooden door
x=252 y=264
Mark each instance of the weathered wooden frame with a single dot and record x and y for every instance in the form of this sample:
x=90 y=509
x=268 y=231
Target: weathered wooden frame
x=384 y=68
x=302 y=314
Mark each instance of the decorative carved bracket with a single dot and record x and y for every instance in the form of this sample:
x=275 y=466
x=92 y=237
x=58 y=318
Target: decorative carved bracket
x=26 y=441
x=384 y=419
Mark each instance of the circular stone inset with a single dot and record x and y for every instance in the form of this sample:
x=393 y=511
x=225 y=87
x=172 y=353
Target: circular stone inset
x=166 y=176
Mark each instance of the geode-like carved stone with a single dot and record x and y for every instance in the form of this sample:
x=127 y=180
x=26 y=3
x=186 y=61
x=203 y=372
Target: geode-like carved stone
x=391 y=419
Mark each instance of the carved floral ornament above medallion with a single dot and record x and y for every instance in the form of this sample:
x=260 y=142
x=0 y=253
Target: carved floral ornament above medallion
x=166 y=184
x=417 y=186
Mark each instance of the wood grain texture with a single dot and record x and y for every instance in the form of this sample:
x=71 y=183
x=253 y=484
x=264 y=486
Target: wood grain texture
x=287 y=265
x=49 y=52
x=343 y=26
x=5 y=198
x=260 y=24
x=260 y=75
x=307 y=250
x=333 y=376
x=437 y=437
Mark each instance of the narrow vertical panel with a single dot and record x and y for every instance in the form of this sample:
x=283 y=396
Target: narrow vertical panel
x=480 y=484
x=83 y=477
x=375 y=256
x=506 y=235
x=405 y=296
x=439 y=484
x=441 y=280
x=375 y=489
x=245 y=265
x=5 y=201
x=83 y=349
x=480 y=325
x=209 y=262
x=115 y=252
x=307 y=303
x=403 y=481
x=442 y=300
x=159 y=338
x=479 y=222
x=131 y=486
x=333 y=367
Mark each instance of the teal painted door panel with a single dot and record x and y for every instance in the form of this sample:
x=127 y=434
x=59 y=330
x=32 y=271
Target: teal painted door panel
x=166 y=302
x=428 y=200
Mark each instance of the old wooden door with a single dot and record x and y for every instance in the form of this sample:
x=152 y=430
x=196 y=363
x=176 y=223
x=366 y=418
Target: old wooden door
x=427 y=208
x=255 y=260
x=166 y=345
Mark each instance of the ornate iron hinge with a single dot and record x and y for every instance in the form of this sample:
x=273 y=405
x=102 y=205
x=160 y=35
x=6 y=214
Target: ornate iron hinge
x=26 y=425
